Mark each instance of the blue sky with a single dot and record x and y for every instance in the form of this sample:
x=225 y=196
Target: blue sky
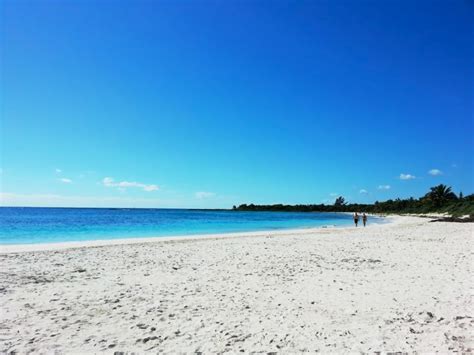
x=216 y=103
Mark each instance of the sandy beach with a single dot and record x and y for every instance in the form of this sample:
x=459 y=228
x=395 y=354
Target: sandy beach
x=403 y=286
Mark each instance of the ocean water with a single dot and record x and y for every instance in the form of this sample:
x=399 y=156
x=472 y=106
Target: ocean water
x=26 y=225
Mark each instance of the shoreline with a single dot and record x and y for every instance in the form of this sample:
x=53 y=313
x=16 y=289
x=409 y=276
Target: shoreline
x=36 y=247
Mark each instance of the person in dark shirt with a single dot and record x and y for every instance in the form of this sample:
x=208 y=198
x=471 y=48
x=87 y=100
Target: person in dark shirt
x=364 y=219
x=356 y=218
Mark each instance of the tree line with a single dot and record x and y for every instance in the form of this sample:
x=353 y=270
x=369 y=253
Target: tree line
x=438 y=199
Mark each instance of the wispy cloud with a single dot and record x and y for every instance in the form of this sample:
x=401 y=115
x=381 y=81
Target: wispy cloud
x=407 y=177
x=333 y=194
x=59 y=171
x=204 y=194
x=435 y=172
x=363 y=191
x=53 y=200
x=110 y=182
x=66 y=181
x=384 y=187
x=119 y=200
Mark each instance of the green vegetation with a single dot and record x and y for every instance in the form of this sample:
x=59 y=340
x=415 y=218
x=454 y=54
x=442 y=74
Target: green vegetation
x=439 y=199
x=340 y=201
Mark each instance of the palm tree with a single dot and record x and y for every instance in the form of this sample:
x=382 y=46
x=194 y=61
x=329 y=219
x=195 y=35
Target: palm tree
x=340 y=201
x=440 y=194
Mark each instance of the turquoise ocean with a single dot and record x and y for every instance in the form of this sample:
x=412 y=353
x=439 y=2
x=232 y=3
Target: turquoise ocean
x=28 y=225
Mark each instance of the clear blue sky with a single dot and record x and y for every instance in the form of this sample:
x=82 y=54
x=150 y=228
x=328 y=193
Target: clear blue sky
x=210 y=104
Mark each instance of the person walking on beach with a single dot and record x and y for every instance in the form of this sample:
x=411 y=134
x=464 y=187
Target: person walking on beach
x=364 y=219
x=356 y=218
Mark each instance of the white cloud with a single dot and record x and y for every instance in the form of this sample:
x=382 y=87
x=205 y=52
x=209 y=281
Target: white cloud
x=204 y=194
x=110 y=182
x=333 y=194
x=435 y=172
x=58 y=170
x=150 y=188
x=66 y=181
x=384 y=187
x=363 y=191
x=407 y=177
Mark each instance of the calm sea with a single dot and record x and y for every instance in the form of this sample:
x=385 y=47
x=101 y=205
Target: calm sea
x=48 y=225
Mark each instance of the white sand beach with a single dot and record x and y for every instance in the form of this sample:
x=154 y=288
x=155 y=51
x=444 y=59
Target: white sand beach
x=403 y=286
